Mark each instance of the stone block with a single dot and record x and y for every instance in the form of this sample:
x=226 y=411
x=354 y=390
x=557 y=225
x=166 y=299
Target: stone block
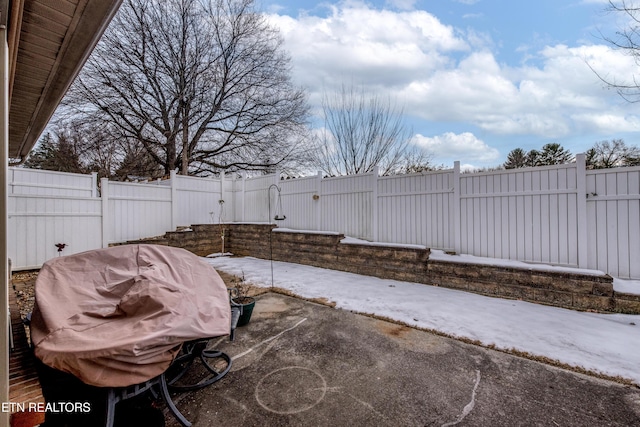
x=563 y=299
x=627 y=306
x=518 y=292
x=565 y=284
x=484 y=288
x=592 y=302
x=603 y=289
x=452 y=282
x=628 y=297
x=410 y=255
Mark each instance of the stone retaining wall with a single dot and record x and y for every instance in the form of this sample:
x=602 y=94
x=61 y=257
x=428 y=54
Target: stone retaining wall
x=563 y=289
x=570 y=290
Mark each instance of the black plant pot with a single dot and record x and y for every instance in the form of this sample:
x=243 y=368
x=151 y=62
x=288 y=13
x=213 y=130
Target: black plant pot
x=247 y=304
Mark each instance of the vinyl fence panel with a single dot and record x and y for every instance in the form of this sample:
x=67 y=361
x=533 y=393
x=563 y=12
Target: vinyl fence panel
x=523 y=214
x=299 y=205
x=197 y=200
x=136 y=210
x=347 y=205
x=46 y=208
x=417 y=209
x=37 y=223
x=256 y=199
x=613 y=212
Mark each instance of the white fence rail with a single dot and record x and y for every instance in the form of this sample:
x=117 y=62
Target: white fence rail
x=561 y=215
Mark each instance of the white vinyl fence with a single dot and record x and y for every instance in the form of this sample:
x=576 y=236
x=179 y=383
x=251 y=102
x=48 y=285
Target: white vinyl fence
x=562 y=215
x=47 y=208
x=613 y=221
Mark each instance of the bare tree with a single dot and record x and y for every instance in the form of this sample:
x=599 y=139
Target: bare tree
x=627 y=40
x=611 y=154
x=362 y=131
x=201 y=85
x=416 y=161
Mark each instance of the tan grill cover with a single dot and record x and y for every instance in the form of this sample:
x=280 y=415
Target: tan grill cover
x=116 y=317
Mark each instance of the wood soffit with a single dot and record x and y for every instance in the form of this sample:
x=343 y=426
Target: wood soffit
x=49 y=41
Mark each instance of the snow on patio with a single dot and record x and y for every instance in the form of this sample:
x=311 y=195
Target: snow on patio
x=603 y=343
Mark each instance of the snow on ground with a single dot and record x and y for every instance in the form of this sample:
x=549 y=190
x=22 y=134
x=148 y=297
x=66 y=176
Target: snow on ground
x=626 y=286
x=604 y=343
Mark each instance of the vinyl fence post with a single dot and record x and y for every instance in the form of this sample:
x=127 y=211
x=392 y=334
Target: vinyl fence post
x=374 y=204
x=232 y=195
x=222 y=196
x=276 y=181
x=106 y=221
x=94 y=184
x=318 y=201
x=457 y=242
x=242 y=195
x=174 y=200
x=581 y=200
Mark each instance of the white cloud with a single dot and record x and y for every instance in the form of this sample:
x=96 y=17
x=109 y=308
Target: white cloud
x=465 y=147
x=377 y=47
x=544 y=101
x=608 y=123
x=444 y=74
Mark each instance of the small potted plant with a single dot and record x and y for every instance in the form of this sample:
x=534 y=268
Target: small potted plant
x=240 y=296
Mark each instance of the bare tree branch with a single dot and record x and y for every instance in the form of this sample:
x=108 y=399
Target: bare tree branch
x=201 y=85
x=626 y=40
x=362 y=131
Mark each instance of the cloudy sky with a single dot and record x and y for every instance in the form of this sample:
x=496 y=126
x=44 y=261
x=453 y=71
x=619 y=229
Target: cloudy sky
x=477 y=78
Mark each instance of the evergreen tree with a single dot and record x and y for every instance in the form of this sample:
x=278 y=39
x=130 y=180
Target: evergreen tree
x=59 y=154
x=554 y=154
x=517 y=158
x=533 y=158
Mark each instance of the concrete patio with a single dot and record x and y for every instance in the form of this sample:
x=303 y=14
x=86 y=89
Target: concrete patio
x=298 y=363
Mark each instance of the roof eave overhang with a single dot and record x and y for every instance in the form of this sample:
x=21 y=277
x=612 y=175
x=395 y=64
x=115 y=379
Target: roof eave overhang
x=83 y=32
